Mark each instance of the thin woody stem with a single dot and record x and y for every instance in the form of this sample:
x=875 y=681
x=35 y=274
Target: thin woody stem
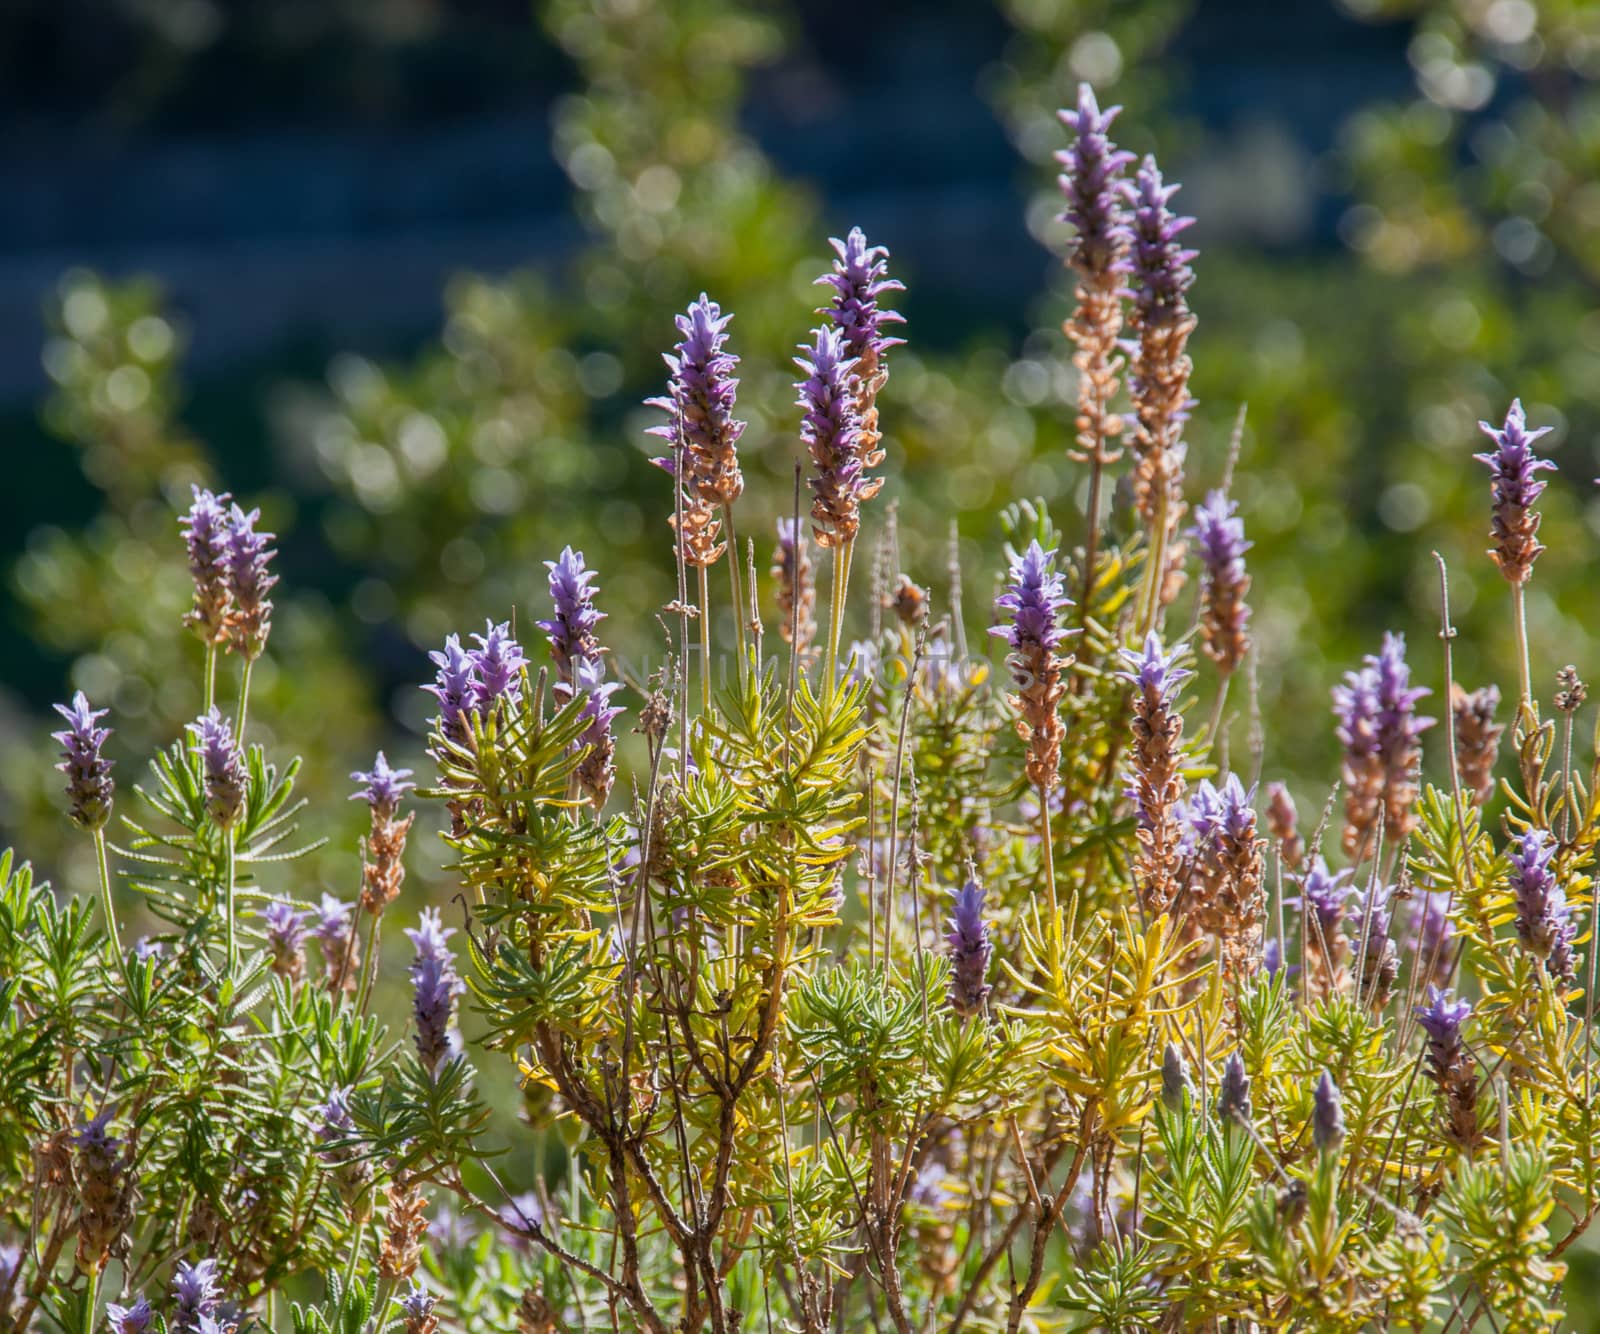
x=705 y=642
x=841 y=583
x=741 y=609
x=1519 y=623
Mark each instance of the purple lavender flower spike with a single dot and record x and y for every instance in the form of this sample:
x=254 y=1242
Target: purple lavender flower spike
x=1233 y=1098
x=832 y=430
x=335 y=1122
x=194 y=1294
x=1514 y=487
x=286 y=938
x=1175 y=1087
x=1159 y=265
x=383 y=787
x=456 y=687
x=223 y=768
x=205 y=536
x=1544 y=917
x=333 y=921
x=1154 y=672
x=596 y=770
x=1091 y=180
x=859 y=279
x=572 y=630
x=418 y=1306
x=700 y=396
x=498 y=664
x=133 y=1319
x=1377 y=723
x=1032 y=605
x=1219 y=536
x=89 y=782
x=250 y=579
x=1441 y=1018
x=436 y=986
x=1034 y=600
x=1327 y=1114
x=970 y=951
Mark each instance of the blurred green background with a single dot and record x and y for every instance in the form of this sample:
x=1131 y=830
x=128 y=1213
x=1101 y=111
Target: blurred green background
x=238 y=217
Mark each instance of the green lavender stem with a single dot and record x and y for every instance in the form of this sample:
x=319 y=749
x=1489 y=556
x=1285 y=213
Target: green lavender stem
x=841 y=581
x=244 y=701
x=105 y=890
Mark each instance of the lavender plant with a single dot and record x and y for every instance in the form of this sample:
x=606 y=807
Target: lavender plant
x=869 y=993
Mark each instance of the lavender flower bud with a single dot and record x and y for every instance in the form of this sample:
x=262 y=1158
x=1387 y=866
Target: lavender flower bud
x=1032 y=602
x=194 y=1294
x=223 y=768
x=572 y=630
x=497 y=665
x=597 y=769
x=104 y=1204
x=436 y=986
x=286 y=939
x=352 y=1174
x=1282 y=823
x=1327 y=1115
x=135 y=1319
x=456 y=686
x=1091 y=181
x=1157 y=758
x=1233 y=1098
x=416 y=1308
x=1175 y=1087
x=1514 y=487
x=382 y=866
x=1450 y=1066
x=249 y=580
x=205 y=534
x=382 y=788
x=336 y=934
x=1477 y=738
x=831 y=429
x=1225 y=617
x=89 y=782
x=1544 y=917
x=797 y=587
x=970 y=951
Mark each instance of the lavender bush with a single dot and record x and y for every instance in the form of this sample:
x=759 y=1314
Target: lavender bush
x=859 y=989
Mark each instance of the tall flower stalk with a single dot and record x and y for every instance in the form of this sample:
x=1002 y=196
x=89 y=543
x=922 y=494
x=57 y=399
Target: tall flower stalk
x=1031 y=607
x=845 y=373
x=1160 y=277
x=205 y=536
x=1514 y=486
x=1156 y=761
x=704 y=462
x=89 y=789
x=1096 y=207
x=1218 y=533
